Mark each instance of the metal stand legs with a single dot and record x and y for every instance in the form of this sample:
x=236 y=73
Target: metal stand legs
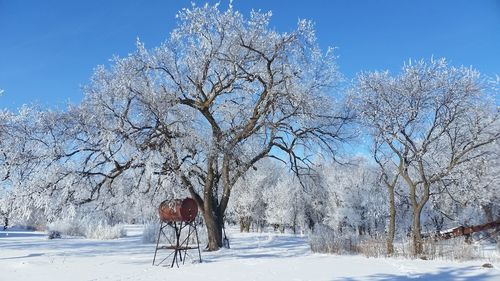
x=179 y=248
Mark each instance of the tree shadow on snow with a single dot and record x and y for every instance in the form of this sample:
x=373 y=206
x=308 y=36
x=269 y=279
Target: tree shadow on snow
x=20 y=234
x=261 y=247
x=22 y=257
x=469 y=273
x=70 y=246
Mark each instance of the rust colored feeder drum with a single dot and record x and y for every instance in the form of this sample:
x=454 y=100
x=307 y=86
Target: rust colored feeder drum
x=178 y=210
x=178 y=216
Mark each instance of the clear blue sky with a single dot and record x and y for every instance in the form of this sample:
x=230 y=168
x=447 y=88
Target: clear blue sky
x=49 y=48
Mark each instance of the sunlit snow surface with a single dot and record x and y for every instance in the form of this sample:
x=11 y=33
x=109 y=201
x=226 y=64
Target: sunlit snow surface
x=31 y=256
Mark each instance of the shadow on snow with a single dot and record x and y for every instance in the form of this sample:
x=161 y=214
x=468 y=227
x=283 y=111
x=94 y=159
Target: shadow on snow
x=444 y=274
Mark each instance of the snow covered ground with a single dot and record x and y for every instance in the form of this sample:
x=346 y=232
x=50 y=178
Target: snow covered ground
x=31 y=256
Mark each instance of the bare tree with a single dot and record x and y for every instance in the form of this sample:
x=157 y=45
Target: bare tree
x=433 y=118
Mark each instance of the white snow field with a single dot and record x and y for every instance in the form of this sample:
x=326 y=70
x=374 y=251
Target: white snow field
x=31 y=256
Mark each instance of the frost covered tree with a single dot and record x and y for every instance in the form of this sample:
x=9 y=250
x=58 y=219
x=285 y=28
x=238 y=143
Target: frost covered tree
x=220 y=94
x=248 y=205
x=28 y=161
x=285 y=203
x=315 y=195
x=433 y=118
x=4 y=119
x=470 y=194
x=64 y=165
x=20 y=158
x=349 y=206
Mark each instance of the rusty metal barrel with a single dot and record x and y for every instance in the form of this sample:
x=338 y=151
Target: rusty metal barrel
x=178 y=210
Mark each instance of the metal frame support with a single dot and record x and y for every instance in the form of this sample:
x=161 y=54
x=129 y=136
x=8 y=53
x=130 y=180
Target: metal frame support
x=179 y=248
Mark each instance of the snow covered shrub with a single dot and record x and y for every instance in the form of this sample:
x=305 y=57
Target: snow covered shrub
x=326 y=240
x=103 y=231
x=322 y=240
x=87 y=228
x=69 y=227
x=150 y=233
x=463 y=252
x=458 y=249
x=455 y=249
x=373 y=247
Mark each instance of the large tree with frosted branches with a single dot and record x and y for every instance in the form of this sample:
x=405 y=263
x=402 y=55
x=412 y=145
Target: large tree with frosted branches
x=221 y=93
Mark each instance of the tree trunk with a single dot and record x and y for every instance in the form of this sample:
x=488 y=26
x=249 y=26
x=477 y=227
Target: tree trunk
x=417 y=213
x=488 y=212
x=245 y=224
x=211 y=208
x=392 y=222
x=294 y=224
x=417 y=207
x=416 y=233
x=214 y=229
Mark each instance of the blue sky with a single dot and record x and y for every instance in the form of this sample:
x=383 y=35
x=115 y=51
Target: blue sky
x=49 y=48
